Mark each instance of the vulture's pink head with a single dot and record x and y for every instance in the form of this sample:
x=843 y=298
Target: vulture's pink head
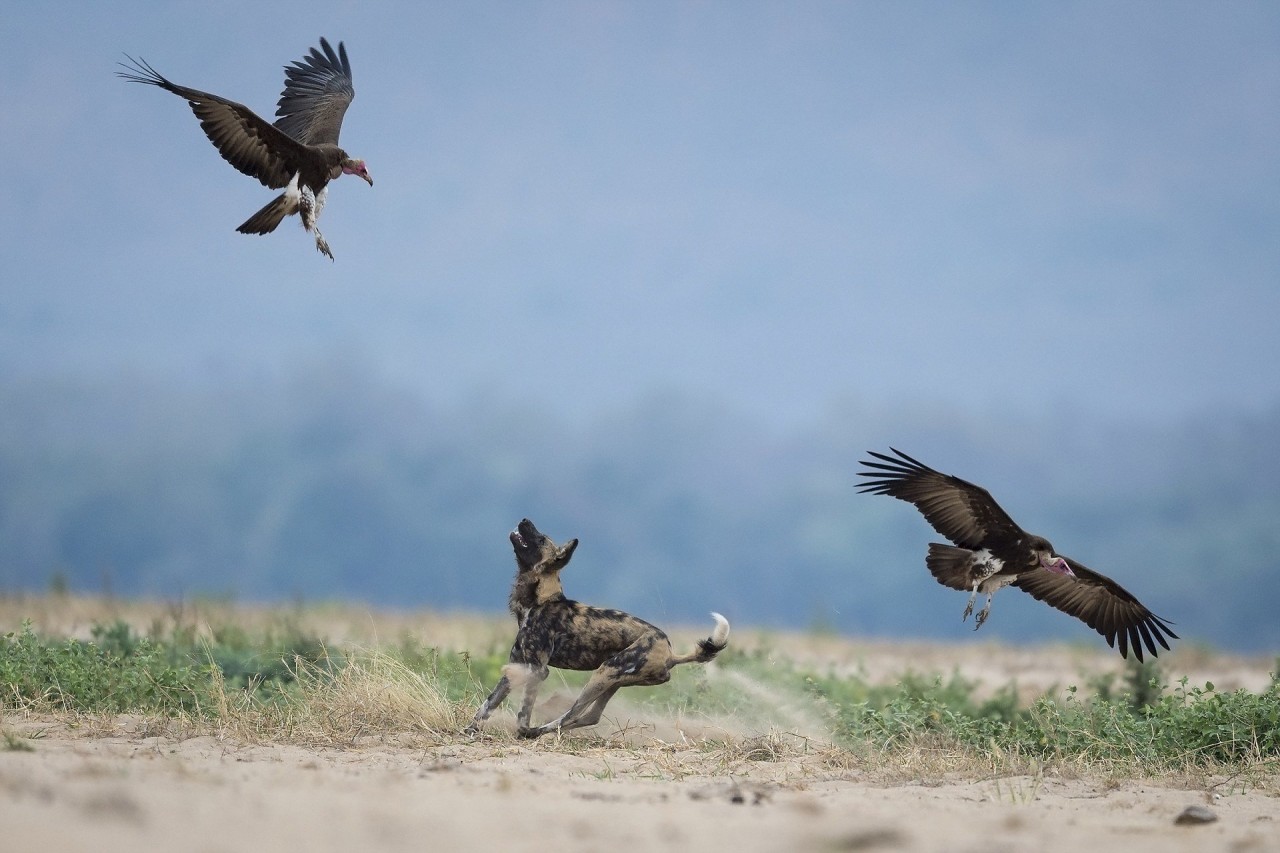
x=1057 y=565
x=357 y=168
x=1047 y=559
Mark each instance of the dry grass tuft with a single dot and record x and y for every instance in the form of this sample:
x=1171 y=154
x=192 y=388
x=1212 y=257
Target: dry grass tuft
x=370 y=697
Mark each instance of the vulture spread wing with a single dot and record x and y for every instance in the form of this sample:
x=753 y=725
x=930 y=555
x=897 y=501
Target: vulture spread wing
x=1102 y=604
x=317 y=92
x=251 y=144
x=964 y=513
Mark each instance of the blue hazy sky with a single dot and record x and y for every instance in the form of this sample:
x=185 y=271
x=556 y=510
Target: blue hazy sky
x=1038 y=206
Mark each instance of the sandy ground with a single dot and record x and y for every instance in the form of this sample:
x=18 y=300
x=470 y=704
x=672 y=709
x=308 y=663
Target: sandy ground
x=131 y=793
x=115 y=785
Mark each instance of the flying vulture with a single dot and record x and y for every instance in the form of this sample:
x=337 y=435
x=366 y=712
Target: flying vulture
x=299 y=152
x=992 y=551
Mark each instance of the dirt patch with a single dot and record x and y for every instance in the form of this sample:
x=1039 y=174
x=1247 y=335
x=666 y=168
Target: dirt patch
x=125 y=792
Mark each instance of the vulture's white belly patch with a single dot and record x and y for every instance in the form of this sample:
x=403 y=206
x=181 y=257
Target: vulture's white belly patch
x=985 y=568
x=985 y=564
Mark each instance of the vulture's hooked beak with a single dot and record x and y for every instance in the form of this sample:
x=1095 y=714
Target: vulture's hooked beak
x=367 y=178
x=1057 y=565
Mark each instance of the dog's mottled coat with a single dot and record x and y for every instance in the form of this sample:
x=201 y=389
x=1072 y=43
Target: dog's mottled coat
x=557 y=631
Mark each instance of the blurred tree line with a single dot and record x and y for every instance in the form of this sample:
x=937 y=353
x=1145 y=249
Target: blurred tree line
x=333 y=485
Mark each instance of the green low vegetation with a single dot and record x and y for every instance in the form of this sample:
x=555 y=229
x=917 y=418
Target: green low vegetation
x=281 y=682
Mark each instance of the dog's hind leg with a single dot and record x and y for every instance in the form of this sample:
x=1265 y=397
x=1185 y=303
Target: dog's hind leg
x=585 y=710
x=591 y=714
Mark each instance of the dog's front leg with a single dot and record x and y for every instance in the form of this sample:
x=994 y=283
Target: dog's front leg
x=532 y=677
x=495 y=699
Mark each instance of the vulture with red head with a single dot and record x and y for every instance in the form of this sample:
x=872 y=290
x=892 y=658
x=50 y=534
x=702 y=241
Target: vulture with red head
x=990 y=551
x=299 y=153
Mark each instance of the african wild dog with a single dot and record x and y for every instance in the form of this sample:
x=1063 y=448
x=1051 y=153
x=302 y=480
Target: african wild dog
x=557 y=631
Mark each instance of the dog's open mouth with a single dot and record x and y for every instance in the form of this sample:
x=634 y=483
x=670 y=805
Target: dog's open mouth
x=526 y=536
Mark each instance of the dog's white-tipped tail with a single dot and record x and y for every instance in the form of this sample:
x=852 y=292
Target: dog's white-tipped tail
x=707 y=649
x=720 y=636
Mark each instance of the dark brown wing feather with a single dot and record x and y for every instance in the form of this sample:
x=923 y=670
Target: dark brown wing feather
x=964 y=513
x=317 y=92
x=251 y=144
x=1100 y=603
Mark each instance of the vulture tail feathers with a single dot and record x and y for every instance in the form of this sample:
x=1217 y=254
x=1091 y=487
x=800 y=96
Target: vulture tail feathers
x=950 y=566
x=266 y=220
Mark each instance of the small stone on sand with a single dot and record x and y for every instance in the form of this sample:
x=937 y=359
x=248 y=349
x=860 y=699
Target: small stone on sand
x=1193 y=815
